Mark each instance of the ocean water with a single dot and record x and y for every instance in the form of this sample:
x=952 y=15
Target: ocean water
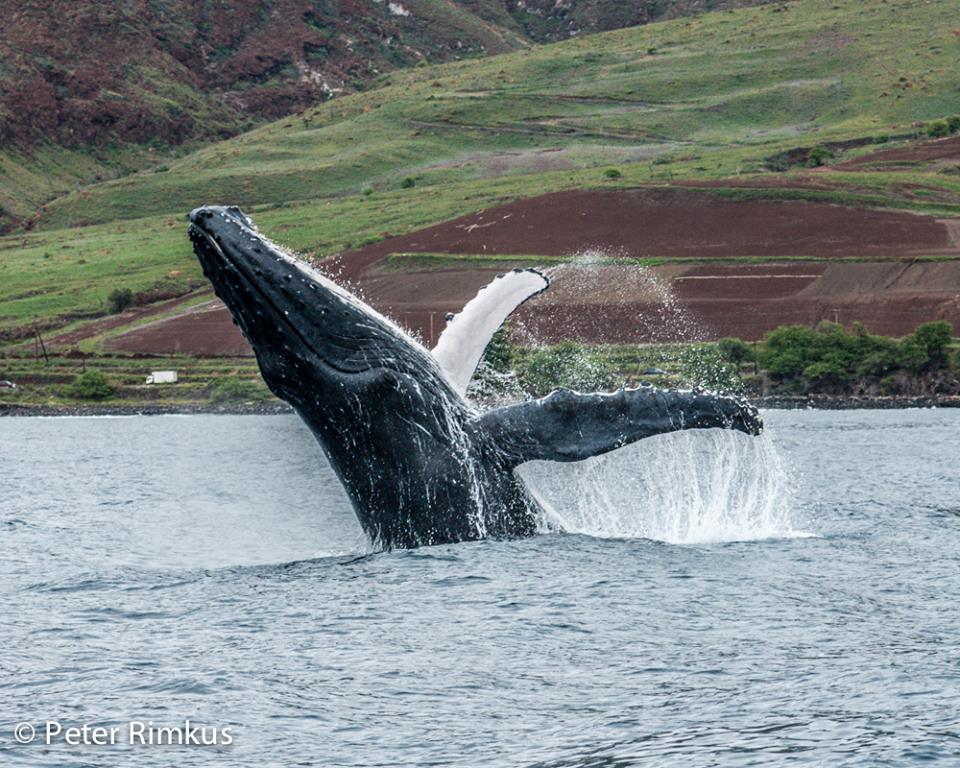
x=715 y=601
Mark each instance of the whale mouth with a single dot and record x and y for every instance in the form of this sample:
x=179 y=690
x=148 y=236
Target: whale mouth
x=232 y=278
x=266 y=290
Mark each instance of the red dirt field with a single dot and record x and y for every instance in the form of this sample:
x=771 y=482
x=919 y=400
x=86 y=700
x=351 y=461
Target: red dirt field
x=107 y=324
x=670 y=223
x=925 y=152
x=862 y=267
x=206 y=330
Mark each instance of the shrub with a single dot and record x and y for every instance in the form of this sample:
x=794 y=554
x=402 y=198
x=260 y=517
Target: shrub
x=612 y=173
x=938 y=129
x=935 y=339
x=119 y=299
x=879 y=363
x=787 y=350
x=408 y=183
x=237 y=391
x=882 y=138
x=779 y=163
x=953 y=124
x=831 y=354
x=831 y=370
x=819 y=156
x=736 y=351
x=91 y=385
x=911 y=355
x=564 y=365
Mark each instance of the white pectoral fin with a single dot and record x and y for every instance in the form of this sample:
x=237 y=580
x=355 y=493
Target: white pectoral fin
x=466 y=336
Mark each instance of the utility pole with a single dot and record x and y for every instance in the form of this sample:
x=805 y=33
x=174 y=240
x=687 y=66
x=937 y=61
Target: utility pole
x=43 y=346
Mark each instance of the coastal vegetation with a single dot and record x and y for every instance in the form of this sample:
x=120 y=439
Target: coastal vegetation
x=90 y=385
x=232 y=390
x=796 y=360
x=830 y=357
x=790 y=360
x=61 y=381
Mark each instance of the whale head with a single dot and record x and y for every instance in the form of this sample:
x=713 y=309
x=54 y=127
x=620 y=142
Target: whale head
x=310 y=336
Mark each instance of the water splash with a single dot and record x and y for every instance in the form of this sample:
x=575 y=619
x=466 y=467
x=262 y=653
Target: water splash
x=618 y=288
x=682 y=488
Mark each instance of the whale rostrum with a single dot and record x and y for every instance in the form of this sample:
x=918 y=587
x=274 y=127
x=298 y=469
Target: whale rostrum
x=420 y=464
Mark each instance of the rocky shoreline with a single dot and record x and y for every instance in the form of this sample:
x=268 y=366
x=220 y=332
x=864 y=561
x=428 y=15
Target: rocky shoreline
x=272 y=408
x=844 y=403
x=181 y=409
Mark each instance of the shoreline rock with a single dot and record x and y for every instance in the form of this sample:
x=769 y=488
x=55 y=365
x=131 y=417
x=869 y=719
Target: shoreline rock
x=843 y=403
x=185 y=409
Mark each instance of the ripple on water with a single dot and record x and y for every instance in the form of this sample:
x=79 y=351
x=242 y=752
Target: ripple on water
x=232 y=591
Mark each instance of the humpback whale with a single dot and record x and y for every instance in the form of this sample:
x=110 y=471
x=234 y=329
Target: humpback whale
x=420 y=464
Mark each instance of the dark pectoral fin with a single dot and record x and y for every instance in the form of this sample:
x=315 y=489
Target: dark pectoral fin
x=569 y=426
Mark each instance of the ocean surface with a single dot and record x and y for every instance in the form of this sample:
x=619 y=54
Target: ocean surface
x=715 y=601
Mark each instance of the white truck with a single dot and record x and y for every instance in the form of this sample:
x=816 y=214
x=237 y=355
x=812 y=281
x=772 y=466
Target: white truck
x=162 y=377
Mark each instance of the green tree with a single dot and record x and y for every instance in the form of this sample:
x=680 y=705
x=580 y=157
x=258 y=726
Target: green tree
x=737 y=351
x=787 y=350
x=819 y=156
x=91 y=385
x=830 y=354
x=912 y=355
x=119 y=299
x=935 y=338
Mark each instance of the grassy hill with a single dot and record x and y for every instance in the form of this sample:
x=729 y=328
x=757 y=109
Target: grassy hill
x=695 y=100
x=112 y=87
x=91 y=90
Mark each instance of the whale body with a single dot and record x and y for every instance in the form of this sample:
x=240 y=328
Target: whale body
x=420 y=464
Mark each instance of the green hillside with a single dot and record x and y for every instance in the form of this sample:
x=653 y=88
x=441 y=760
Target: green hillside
x=699 y=99
x=118 y=87
x=107 y=88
